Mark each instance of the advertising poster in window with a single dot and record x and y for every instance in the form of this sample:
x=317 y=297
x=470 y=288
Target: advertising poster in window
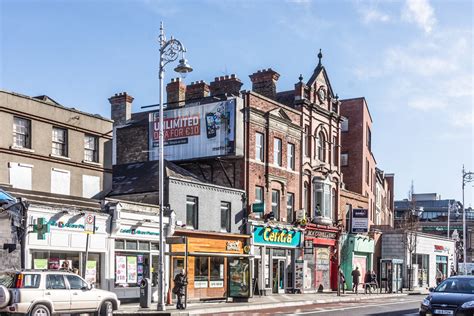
x=41 y=264
x=121 y=269
x=132 y=270
x=299 y=274
x=91 y=271
x=239 y=277
x=196 y=131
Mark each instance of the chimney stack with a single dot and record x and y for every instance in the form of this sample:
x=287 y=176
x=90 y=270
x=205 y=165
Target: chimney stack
x=226 y=84
x=121 y=108
x=197 y=90
x=264 y=82
x=176 y=92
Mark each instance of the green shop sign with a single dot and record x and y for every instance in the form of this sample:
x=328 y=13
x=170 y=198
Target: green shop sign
x=132 y=231
x=276 y=236
x=440 y=228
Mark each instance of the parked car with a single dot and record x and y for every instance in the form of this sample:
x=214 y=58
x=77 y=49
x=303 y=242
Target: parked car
x=453 y=296
x=43 y=293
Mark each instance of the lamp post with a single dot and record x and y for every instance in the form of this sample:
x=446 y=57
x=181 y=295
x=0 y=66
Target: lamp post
x=466 y=178
x=169 y=51
x=455 y=237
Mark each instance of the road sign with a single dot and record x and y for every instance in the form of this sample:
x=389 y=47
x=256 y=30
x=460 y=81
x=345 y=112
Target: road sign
x=89 y=223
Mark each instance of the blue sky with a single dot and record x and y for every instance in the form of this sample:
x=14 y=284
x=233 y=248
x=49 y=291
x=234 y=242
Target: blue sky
x=412 y=60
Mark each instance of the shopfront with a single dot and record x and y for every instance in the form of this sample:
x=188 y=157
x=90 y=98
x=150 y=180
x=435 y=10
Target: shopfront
x=134 y=254
x=217 y=264
x=275 y=248
x=357 y=251
x=59 y=238
x=320 y=256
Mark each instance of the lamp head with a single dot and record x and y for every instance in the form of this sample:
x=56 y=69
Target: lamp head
x=183 y=67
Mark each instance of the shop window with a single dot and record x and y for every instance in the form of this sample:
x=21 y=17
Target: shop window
x=119 y=244
x=143 y=245
x=55 y=282
x=225 y=216
x=201 y=272
x=131 y=268
x=192 y=211
x=276 y=204
x=322 y=197
x=217 y=271
x=131 y=245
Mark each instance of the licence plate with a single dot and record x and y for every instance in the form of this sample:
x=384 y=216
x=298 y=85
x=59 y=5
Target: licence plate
x=443 y=312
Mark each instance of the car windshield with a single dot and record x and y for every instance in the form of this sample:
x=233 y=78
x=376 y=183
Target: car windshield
x=456 y=285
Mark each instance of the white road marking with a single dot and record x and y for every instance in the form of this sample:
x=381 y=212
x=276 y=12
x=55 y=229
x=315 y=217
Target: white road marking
x=325 y=310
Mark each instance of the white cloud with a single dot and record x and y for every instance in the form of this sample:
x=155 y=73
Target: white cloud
x=426 y=103
x=462 y=120
x=421 y=13
x=371 y=14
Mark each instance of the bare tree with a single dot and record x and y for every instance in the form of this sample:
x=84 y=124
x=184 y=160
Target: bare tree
x=409 y=227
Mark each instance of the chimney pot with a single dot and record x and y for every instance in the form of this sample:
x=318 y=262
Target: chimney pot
x=264 y=82
x=121 y=107
x=176 y=91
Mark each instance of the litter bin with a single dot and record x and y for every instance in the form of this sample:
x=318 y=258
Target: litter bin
x=145 y=293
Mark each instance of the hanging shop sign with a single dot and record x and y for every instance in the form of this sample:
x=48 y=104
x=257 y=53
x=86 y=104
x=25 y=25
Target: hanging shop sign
x=360 y=220
x=276 y=236
x=232 y=245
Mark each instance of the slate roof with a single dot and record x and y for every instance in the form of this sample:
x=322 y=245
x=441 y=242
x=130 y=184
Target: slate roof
x=286 y=97
x=142 y=177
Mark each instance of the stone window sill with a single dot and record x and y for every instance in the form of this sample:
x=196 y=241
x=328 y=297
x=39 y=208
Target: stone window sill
x=22 y=149
x=92 y=163
x=59 y=157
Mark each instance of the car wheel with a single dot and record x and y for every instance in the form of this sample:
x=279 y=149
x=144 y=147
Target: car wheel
x=40 y=310
x=4 y=296
x=107 y=309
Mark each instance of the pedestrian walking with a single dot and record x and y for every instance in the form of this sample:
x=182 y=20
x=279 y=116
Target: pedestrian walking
x=180 y=283
x=453 y=272
x=439 y=276
x=367 y=282
x=342 y=281
x=355 y=279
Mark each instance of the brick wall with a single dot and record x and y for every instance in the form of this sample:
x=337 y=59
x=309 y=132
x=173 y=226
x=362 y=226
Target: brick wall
x=132 y=144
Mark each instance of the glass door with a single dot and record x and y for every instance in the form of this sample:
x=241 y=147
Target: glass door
x=281 y=276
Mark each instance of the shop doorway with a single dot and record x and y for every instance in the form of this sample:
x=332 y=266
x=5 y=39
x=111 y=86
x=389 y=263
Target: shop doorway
x=278 y=276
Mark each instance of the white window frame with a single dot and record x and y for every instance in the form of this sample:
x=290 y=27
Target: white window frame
x=58 y=145
x=226 y=216
x=344 y=159
x=290 y=153
x=322 y=197
x=259 y=146
x=258 y=188
x=345 y=125
x=88 y=149
x=21 y=132
x=276 y=204
x=290 y=207
x=277 y=146
x=194 y=201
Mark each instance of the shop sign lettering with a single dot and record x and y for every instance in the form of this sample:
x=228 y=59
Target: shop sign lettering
x=276 y=236
x=439 y=248
x=139 y=232
x=320 y=234
x=232 y=246
x=68 y=225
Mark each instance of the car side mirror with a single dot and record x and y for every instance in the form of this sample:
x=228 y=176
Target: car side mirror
x=431 y=289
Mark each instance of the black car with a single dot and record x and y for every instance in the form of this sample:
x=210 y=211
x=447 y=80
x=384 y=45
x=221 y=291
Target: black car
x=454 y=296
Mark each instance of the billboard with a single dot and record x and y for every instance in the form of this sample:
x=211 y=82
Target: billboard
x=360 y=220
x=199 y=131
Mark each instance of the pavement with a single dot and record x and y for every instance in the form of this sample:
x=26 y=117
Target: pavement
x=259 y=303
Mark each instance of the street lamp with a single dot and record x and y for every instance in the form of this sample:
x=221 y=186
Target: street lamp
x=169 y=51
x=466 y=178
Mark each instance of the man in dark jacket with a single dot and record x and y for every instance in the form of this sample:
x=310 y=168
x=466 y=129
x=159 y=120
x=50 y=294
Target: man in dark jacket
x=355 y=279
x=179 y=289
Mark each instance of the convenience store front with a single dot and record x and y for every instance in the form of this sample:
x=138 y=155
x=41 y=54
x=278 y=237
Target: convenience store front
x=275 y=248
x=217 y=264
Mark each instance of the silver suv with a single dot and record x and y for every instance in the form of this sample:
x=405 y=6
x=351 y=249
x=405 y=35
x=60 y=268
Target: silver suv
x=43 y=293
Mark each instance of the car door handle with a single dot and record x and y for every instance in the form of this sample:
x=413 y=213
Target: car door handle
x=48 y=293
x=75 y=293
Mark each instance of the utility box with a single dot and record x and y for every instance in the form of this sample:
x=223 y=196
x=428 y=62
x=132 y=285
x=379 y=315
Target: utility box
x=145 y=293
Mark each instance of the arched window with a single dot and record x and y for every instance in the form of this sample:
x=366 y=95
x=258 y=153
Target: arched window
x=321 y=147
